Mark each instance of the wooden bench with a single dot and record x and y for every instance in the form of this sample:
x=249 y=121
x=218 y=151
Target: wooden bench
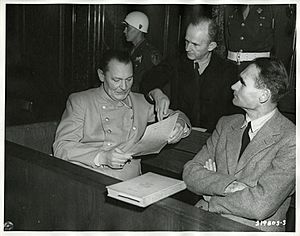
x=46 y=193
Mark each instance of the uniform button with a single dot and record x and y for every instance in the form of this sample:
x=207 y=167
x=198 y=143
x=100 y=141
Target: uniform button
x=243 y=24
x=134 y=128
x=106 y=119
x=103 y=107
x=241 y=38
x=109 y=131
x=260 y=24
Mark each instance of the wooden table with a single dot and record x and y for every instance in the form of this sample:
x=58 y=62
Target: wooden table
x=46 y=193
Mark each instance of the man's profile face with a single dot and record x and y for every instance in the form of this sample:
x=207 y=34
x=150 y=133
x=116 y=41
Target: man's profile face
x=246 y=94
x=130 y=33
x=196 y=42
x=118 y=79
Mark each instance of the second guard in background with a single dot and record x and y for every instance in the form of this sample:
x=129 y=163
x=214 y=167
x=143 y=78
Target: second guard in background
x=253 y=31
x=143 y=55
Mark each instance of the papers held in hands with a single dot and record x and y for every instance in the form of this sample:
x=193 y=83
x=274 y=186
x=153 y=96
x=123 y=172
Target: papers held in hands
x=155 y=137
x=145 y=189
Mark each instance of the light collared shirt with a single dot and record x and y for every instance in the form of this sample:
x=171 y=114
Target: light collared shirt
x=202 y=64
x=257 y=124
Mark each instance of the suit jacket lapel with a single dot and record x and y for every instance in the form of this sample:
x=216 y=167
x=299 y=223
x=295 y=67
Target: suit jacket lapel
x=266 y=136
x=233 y=145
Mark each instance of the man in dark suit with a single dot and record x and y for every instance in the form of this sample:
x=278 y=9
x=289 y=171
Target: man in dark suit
x=200 y=80
x=246 y=170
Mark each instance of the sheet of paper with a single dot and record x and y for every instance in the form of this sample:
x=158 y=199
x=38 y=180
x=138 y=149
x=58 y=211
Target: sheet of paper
x=199 y=129
x=155 y=137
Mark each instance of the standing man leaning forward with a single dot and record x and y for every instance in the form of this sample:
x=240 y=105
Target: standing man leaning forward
x=255 y=188
x=100 y=125
x=200 y=79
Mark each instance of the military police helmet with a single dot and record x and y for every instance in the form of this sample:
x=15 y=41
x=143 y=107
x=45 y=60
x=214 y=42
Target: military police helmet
x=137 y=20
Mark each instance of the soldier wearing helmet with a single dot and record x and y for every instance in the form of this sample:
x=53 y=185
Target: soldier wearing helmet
x=143 y=55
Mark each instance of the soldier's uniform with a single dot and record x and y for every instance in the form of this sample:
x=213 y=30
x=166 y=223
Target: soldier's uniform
x=144 y=56
x=258 y=35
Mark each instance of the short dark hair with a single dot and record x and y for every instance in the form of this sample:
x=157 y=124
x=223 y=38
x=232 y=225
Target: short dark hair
x=212 y=26
x=119 y=55
x=273 y=76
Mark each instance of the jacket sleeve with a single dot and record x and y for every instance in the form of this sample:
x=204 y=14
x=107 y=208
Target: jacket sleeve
x=157 y=77
x=273 y=187
x=67 y=144
x=200 y=180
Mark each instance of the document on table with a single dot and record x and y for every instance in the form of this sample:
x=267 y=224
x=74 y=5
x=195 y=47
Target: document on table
x=155 y=137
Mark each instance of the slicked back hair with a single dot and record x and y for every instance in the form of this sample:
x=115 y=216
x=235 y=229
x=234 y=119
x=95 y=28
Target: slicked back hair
x=119 y=55
x=212 y=26
x=273 y=76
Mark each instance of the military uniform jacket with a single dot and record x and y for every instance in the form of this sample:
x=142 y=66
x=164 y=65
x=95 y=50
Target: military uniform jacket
x=144 y=57
x=254 y=34
x=267 y=167
x=91 y=124
x=267 y=28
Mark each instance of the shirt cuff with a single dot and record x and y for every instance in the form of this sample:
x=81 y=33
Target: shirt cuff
x=149 y=98
x=97 y=160
x=186 y=130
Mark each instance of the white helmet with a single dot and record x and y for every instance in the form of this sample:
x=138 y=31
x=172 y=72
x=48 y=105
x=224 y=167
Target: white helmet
x=137 y=20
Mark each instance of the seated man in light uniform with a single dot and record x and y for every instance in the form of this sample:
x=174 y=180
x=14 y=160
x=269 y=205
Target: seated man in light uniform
x=99 y=125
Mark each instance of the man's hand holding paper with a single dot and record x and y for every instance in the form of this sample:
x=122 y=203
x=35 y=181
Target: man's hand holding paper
x=116 y=158
x=157 y=135
x=178 y=131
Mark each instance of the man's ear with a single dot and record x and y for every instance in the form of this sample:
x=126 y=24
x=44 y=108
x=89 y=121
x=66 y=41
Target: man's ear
x=265 y=96
x=100 y=75
x=212 y=46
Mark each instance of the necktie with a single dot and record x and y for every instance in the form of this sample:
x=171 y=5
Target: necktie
x=196 y=105
x=196 y=70
x=245 y=139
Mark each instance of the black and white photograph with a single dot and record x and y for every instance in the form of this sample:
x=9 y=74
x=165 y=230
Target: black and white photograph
x=149 y=117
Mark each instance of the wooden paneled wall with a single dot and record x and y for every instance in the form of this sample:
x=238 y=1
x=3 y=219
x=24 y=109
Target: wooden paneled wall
x=53 y=50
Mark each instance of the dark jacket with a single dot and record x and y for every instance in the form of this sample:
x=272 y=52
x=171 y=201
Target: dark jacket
x=204 y=102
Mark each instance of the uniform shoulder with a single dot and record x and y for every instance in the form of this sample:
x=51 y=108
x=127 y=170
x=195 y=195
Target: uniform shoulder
x=150 y=46
x=153 y=52
x=138 y=97
x=83 y=95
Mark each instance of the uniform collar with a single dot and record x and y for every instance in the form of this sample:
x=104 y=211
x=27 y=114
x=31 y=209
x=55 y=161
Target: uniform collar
x=107 y=99
x=136 y=46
